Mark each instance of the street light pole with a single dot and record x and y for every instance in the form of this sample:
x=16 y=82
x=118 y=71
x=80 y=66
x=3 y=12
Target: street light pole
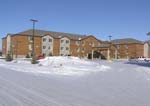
x=33 y=54
x=109 y=50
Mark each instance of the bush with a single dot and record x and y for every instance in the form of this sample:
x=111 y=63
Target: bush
x=27 y=56
x=8 y=57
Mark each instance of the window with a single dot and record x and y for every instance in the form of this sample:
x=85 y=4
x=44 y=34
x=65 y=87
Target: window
x=83 y=43
x=77 y=49
x=30 y=38
x=91 y=43
x=126 y=46
x=62 y=48
x=44 y=47
x=126 y=51
x=67 y=48
x=50 y=40
x=44 y=39
x=83 y=49
x=62 y=41
x=67 y=41
x=77 y=42
x=118 y=52
x=118 y=46
x=30 y=47
x=49 y=47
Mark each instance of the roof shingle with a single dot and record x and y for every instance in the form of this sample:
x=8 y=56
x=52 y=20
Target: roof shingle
x=53 y=34
x=125 y=41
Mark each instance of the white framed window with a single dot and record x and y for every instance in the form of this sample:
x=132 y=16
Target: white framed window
x=77 y=42
x=44 y=47
x=91 y=43
x=83 y=43
x=49 y=47
x=126 y=46
x=118 y=46
x=50 y=40
x=30 y=47
x=30 y=38
x=83 y=49
x=67 y=48
x=62 y=48
x=44 y=39
x=67 y=41
x=77 y=49
x=62 y=41
x=118 y=52
x=126 y=51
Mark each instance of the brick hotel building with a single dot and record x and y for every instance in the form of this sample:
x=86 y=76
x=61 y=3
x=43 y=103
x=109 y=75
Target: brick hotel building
x=63 y=44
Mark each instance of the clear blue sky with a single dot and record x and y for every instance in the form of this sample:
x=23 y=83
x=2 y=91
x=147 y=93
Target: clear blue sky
x=119 y=18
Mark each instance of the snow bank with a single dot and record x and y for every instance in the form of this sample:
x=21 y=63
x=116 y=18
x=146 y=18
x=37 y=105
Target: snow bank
x=57 y=65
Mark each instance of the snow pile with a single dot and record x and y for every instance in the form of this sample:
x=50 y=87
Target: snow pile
x=58 y=61
x=22 y=60
x=57 y=65
x=71 y=65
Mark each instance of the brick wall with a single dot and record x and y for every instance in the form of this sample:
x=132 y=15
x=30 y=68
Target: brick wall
x=4 y=46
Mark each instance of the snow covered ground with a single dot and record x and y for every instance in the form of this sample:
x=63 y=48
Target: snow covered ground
x=63 y=81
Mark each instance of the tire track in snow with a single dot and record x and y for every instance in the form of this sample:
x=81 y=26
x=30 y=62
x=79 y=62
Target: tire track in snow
x=18 y=91
x=5 y=98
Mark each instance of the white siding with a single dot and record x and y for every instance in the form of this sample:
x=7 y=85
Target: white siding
x=146 y=50
x=8 y=49
x=48 y=45
x=64 y=46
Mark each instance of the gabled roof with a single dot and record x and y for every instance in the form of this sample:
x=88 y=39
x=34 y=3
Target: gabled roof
x=9 y=34
x=53 y=34
x=126 y=41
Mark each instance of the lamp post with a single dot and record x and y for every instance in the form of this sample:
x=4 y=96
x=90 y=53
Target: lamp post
x=33 y=54
x=109 y=50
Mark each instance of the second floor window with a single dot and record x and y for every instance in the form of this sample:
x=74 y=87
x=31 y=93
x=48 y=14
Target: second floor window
x=62 y=41
x=44 y=39
x=67 y=41
x=77 y=49
x=30 y=38
x=30 y=47
x=83 y=43
x=126 y=46
x=44 y=47
x=50 y=40
x=83 y=49
x=62 y=48
x=118 y=46
x=67 y=48
x=77 y=42
x=49 y=47
x=92 y=43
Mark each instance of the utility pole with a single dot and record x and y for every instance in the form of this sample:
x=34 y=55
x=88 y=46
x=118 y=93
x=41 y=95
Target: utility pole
x=109 y=50
x=33 y=54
